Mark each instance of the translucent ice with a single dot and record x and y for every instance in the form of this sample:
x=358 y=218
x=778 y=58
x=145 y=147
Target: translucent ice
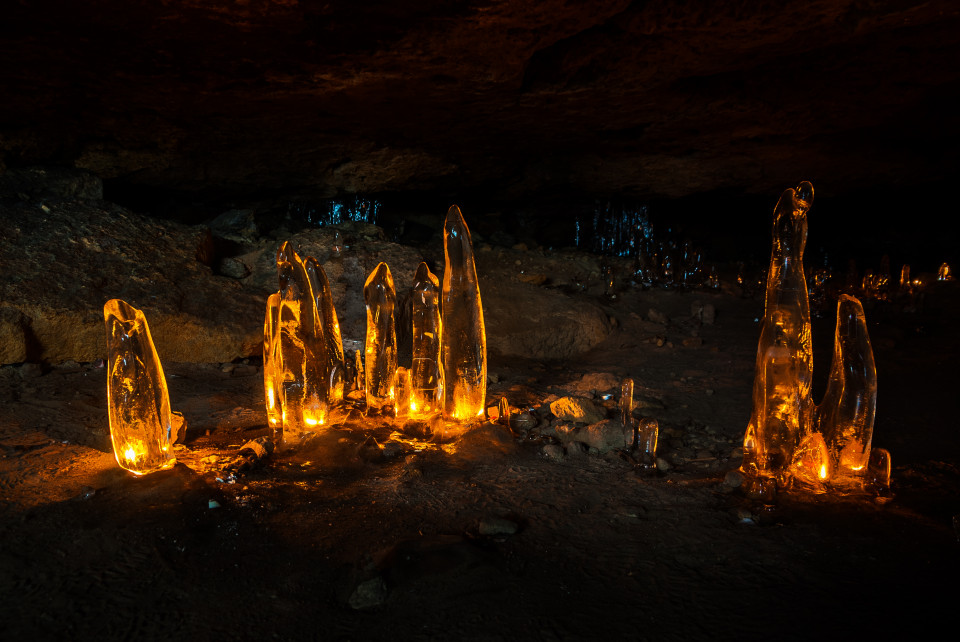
x=404 y=390
x=811 y=466
x=141 y=424
x=426 y=373
x=648 y=434
x=272 y=367
x=380 y=348
x=782 y=402
x=303 y=353
x=626 y=406
x=848 y=408
x=503 y=412
x=464 y=343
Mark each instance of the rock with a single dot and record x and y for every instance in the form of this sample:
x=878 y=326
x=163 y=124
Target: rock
x=709 y=314
x=523 y=421
x=733 y=479
x=533 y=279
x=52 y=183
x=656 y=316
x=237 y=226
x=368 y=594
x=693 y=342
x=577 y=409
x=605 y=435
x=14 y=327
x=577 y=449
x=528 y=321
x=99 y=251
x=233 y=268
x=497 y=526
x=553 y=451
x=596 y=381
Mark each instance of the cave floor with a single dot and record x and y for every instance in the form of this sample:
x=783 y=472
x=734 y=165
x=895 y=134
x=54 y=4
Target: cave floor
x=339 y=539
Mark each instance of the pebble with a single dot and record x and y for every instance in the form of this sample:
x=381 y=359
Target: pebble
x=663 y=464
x=657 y=316
x=497 y=526
x=577 y=409
x=369 y=593
x=733 y=479
x=553 y=451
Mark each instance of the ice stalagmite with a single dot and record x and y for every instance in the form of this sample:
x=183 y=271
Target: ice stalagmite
x=380 y=349
x=782 y=402
x=328 y=347
x=426 y=374
x=464 y=338
x=141 y=424
x=848 y=408
x=272 y=368
x=303 y=353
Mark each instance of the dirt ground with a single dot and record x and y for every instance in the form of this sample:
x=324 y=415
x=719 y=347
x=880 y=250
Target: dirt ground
x=486 y=537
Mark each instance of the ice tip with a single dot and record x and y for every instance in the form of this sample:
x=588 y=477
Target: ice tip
x=804 y=195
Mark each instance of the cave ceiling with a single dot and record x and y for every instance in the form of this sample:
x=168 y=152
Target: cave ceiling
x=655 y=99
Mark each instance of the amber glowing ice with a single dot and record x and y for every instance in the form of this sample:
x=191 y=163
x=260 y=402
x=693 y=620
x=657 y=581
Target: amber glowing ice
x=782 y=402
x=848 y=408
x=426 y=374
x=380 y=348
x=141 y=424
x=272 y=368
x=303 y=353
x=464 y=342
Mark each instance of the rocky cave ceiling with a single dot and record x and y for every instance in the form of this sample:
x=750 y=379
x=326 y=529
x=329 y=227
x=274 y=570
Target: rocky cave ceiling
x=654 y=99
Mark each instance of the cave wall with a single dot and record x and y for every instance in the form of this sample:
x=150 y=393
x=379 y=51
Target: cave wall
x=656 y=99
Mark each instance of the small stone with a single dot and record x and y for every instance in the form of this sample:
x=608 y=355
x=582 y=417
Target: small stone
x=744 y=516
x=663 y=464
x=577 y=409
x=606 y=435
x=533 y=279
x=213 y=504
x=656 y=316
x=733 y=479
x=553 y=451
x=497 y=526
x=577 y=449
x=493 y=377
x=709 y=314
x=705 y=454
x=693 y=342
x=227 y=368
x=660 y=341
x=392 y=449
x=523 y=421
x=369 y=593
x=709 y=392
x=31 y=370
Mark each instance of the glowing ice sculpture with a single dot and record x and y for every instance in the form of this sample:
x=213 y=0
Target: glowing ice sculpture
x=303 y=352
x=380 y=348
x=626 y=406
x=846 y=414
x=464 y=342
x=782 y=402
x=426 y=373
x=141 y=423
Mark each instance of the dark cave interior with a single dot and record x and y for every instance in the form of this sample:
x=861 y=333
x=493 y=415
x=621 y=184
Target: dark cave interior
x=160 y=151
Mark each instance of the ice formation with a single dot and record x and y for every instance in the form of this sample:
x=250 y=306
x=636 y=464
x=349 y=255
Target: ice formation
x=426 y=373
x=303 y=352
x=464 y=343
x=846 y=414
x=380 y=348
x=141 y=423
x=788 y=440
